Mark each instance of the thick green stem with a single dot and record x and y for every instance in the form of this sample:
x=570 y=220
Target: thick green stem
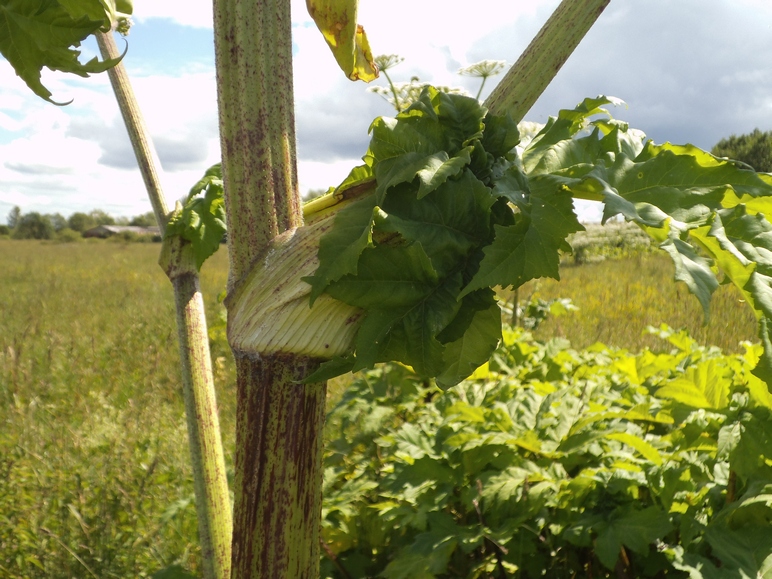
x=278 y=477
x=279 y=425
x=253 y=50
x=537 y=66
x=210 y=481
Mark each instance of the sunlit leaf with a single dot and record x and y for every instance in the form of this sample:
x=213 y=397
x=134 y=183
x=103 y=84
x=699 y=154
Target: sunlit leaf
x=202 y=221
x=337 y=21
x=47 y=33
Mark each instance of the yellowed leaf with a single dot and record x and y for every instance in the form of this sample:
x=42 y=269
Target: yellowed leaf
x=337 y=21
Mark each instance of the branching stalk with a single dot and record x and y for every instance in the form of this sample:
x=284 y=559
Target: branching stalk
x=210 y=482
x=537 y=66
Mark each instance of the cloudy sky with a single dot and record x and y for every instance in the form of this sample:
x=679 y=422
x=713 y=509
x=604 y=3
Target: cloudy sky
x=690 y=71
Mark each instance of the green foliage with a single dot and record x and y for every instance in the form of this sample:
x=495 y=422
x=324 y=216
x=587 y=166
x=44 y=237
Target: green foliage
x=38 y=33
x=754 y=149
x=457 y=211
x=80 y=222
x=433 y=165
x=5 y=230
x=100 y=217
x=557 y=463
x=144 y=220
x=33 y=226
x=58 y=222
x=201 y=221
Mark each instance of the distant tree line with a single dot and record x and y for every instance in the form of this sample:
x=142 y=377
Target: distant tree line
x=753 y=149
x=36 y=225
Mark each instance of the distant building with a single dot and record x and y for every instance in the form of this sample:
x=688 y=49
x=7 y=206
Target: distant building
x=105 y=231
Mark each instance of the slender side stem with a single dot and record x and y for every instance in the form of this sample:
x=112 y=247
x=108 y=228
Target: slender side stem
x=482 y=85
x=537 y=66
x=277 y=507
x=210 y=481
x=213 y=504
x=147 y=158
x=393 y=91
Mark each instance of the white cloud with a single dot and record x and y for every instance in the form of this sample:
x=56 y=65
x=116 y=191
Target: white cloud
x=196 y=13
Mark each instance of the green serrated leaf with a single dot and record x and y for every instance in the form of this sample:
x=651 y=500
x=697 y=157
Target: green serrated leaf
x=340 y=249
x=38 y=33
x=386 y=278
x=558 y=133
x=747 y=237
x=763 y=369
x=425 y=321
x=202 y=220
x=373 y=337
x=678 y=186
x=438 y=172
x=461 y=117
x=93 y=9
x=530 y=248
x=403 y=169
x=448 y=223
x=396 y=137
x=644 y=448
x=705 y=385
x=747 y=550
x=501 y=134
x=474 y=348
x=331 y=369
x=635 y=529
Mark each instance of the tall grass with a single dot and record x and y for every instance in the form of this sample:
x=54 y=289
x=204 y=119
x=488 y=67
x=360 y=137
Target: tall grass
x=94 y=465
x=618 y=299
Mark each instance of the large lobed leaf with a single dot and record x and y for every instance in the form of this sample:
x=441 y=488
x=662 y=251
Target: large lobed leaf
x=38 y=33
x=706 y=213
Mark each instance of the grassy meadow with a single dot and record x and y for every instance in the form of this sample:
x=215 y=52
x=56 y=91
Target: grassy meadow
x=94 y=467
x=94 y=473
x=618 y=299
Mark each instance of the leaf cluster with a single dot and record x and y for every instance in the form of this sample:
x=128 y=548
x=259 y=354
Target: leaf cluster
x=201 y=220
x=451 y=216
x=556 y=463
x=38 y=33
x=459 y=209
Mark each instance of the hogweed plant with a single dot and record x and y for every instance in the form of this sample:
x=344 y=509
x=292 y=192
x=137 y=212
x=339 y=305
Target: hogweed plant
x=399 y=262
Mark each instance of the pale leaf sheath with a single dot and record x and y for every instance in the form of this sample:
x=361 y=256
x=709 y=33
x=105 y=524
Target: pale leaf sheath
x=270 y=312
